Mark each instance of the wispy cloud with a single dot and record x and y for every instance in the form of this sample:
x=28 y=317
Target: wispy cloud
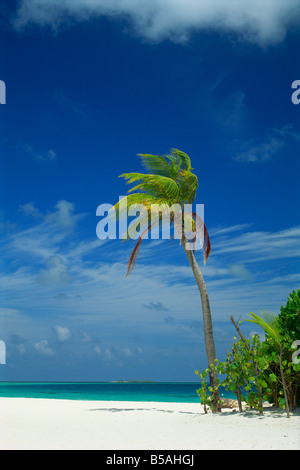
x=30 y=209
x=56 y=272
x=63 y=294
x=231 y=110
x=38 y=155
x=262 y=246
x=261 y=152
x=288 y=131
x=254 y=151
x=67 y=273
x=262 y=23
x=158 y=306
x=217 y=231
x=78 y=108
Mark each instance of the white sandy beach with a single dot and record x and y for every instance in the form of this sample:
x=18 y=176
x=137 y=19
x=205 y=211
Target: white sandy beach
x=43 y=424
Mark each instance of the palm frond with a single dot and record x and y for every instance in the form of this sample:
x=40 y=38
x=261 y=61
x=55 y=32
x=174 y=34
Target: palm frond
x=202 y=232
x=155 y=164
x=143 y=220
x=174 y=170
x=268 y=323
x=135 y=252
x=206 y=244
x=196 y=232
x=185 y=159
x=133 y=177
x=122 y=206
x=188 y=184
x=156 y=185
x=170 y=182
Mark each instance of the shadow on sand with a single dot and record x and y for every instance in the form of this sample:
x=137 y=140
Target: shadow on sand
x=269 y=411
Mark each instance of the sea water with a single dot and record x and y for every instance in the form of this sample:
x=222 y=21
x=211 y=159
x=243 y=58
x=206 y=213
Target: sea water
x=107 y=391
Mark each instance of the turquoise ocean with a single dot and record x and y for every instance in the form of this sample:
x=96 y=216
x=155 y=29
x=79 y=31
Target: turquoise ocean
x=107 y=391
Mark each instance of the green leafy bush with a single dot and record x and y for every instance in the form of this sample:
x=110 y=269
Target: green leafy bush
x=289 y=317
x=262 y=371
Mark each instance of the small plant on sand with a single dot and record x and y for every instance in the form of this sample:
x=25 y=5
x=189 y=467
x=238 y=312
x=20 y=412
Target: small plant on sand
x=207 y=392
x=242 y=370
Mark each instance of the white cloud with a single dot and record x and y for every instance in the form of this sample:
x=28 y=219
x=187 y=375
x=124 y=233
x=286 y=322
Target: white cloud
x=55 y=273
x=63 y=216
x=98 y=350
x=261 y=22
x=42 y=347
x=240 y=271
x=127 y=352
x=30 y=209
x=21 y=349
x=86 y=338
x=42 y=240
x=9 y=313
x=62 y=334
x=108 y=354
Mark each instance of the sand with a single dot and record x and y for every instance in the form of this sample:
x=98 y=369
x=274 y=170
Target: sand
x=43 y=424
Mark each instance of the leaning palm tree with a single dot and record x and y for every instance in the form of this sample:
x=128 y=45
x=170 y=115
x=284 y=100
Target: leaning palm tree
x=171 y=183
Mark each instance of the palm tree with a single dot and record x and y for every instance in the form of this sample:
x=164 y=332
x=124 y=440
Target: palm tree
x=171 y=183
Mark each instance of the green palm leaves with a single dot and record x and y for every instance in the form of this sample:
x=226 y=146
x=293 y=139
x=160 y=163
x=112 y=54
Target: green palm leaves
x=268 y=322
x=168 y=186
x=170 y=178
x=156 y=185
x=158 y=164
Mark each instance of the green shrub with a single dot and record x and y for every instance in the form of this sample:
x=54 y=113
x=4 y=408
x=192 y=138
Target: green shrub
x=262 y=371
x=289 y=317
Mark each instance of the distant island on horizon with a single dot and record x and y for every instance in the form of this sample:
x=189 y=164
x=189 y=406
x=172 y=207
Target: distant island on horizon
x=134 y=381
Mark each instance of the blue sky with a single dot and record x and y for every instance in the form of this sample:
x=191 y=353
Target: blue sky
x=89 y=85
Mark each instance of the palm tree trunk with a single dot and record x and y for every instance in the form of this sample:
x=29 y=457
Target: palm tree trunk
x=208 y=329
